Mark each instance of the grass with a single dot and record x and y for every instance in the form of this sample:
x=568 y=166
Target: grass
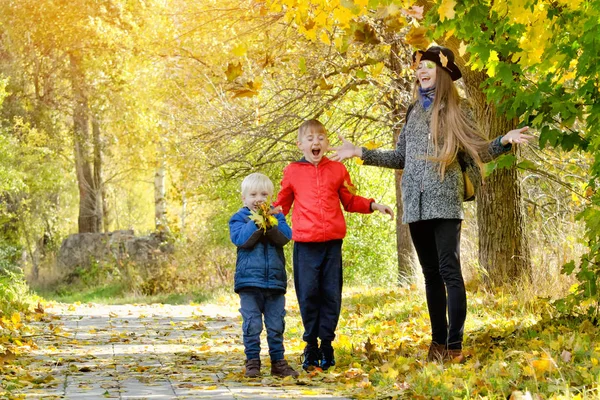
x=119 y=294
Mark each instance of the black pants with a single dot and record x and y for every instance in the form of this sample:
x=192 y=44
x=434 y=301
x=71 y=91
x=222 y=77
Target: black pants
x=437 y=243
x=318 y=283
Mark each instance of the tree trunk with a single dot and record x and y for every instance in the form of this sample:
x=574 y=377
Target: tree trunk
x=406 y=252
x=87 y=220
x=503 y=246
x=98 y=184
x=160 y=202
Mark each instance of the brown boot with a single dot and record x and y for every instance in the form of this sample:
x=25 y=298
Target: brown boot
x=455 y=356
x=437 y=352
x=252 y=368
x=282 y=369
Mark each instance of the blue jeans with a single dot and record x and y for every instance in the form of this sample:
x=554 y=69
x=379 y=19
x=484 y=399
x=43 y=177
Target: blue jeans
x=254 y=303
x=437 y=242
x=318 y=282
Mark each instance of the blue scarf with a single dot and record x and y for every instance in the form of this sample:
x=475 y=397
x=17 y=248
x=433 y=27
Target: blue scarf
x=426 y=96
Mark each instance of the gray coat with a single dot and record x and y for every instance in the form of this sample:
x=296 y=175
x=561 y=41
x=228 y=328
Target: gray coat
x=424 y=195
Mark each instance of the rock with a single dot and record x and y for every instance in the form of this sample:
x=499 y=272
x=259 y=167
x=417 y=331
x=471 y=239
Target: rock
x=83 y=250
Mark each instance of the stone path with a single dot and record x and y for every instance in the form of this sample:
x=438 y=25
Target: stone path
x=150 y=352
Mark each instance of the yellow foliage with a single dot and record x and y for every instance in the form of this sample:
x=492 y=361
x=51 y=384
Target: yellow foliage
x=417 y=37
x=446 y=9
x=541 y=366
x=240 y=50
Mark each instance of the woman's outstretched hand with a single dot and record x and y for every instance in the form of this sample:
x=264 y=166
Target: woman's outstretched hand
x=346 y=150
x=516 y=136
x=382 y=208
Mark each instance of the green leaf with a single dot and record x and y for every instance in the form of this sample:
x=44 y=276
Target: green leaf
x=506 y=161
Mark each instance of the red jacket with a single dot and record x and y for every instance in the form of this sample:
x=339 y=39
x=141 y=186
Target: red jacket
x=316 y=192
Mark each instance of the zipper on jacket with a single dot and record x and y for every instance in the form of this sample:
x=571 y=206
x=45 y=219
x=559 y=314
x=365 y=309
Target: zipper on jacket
x=319 y=197
x=267 y=263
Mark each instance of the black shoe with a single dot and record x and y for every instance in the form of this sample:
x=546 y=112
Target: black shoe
x=328 y=358
x=312 y=358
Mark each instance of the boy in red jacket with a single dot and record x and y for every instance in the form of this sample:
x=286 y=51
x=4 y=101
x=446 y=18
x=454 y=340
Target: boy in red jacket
x=316 y=186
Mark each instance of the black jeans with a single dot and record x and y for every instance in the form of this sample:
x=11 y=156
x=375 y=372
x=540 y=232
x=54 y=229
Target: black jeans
x=437 y=242
x=318 y=283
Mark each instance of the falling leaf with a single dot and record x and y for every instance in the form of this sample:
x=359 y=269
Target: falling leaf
x=372 y=145
x=240 y=50
x=417 y=37
x=446 y=9
x=233 y=71
x=414 y=11
x=323 y=84
x=462 y=49
x=351 y=188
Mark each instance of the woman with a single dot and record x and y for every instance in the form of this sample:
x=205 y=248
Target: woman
x=439 y=137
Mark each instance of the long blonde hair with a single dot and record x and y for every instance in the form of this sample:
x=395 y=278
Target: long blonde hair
x=451 y=129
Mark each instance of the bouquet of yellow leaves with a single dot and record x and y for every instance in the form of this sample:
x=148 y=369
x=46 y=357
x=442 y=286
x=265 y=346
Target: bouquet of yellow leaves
x=262 y=216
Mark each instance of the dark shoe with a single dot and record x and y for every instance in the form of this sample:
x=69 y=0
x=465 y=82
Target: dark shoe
x=328 y=359
x=437 y=352
x=312 y=358
x=252 y=368
x=282 y=369
x=454 y=356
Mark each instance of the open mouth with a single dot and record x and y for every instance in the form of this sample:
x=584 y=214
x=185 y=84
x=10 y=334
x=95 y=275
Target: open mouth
x=316 y=152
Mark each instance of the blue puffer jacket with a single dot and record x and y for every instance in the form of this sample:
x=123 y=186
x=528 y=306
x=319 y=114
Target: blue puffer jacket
x=260 y=260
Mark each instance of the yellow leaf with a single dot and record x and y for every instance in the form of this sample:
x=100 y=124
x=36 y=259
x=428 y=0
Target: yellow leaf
x=7 y=357
x=311 y=34
x=541 y=366
x=376 y=69
x=237 y=93
x=325 y=38
x=239 y=50
x=443 y=59
x=462 y=49
x=16 y=318
x=371 y=145
x=233 y=71
x=417 y=37
x=359 y=161
x=492 y=63
x=309 y=392
x=351 y=188
x=446 y=9
x=415 y=12
x=324 y=85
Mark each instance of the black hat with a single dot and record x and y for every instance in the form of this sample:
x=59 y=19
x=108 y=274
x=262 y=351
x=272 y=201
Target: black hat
x=433 y=54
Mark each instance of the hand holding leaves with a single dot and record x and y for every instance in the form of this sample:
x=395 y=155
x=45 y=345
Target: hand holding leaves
x=263 y=216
